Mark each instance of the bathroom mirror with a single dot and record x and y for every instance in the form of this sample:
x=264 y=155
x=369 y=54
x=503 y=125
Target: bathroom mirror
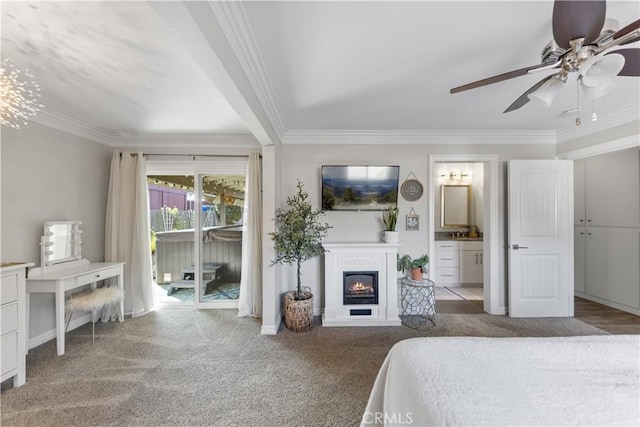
x=455 y=203
x=61 y=242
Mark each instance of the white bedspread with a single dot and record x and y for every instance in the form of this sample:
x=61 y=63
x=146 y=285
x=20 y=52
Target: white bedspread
x=467 y=381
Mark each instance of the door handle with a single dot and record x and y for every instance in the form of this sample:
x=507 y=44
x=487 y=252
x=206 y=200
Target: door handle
x=516 y=246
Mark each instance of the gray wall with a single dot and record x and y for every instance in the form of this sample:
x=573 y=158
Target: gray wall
x=50 y=175
x=304 y=162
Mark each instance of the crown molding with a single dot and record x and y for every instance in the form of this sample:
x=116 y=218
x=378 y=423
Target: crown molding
x=632 y=141
x=139 y=140
x=181 y=141
x=235 y=25
x=74 y=127
x=613 y=119
x=420 y=137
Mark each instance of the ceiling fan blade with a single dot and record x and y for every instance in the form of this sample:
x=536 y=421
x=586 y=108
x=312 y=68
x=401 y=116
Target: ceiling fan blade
x=631 y=62
x=577 y=19
x=524 y=98
x=496 y=79
x=626 y=30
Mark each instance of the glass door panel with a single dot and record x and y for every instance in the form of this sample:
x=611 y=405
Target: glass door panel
x=171 y=205
x=221 y=216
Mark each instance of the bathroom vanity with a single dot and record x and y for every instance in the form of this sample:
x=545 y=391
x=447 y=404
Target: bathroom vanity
x=458 y=261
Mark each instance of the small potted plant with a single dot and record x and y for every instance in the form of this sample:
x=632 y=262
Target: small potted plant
x=298 y=238
x=390 y=219
x=417 y=266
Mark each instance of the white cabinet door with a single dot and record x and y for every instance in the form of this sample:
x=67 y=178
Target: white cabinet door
x=613 y=270
x=470 y=266
x=580 y=261
x=612 y=184
x=579 y=201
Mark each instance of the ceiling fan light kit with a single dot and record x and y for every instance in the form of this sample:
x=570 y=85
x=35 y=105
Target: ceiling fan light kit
x=583 y=39
x=548 y=91
x=599 y=69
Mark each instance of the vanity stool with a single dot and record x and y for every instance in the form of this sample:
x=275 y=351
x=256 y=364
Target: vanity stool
x=94 y=301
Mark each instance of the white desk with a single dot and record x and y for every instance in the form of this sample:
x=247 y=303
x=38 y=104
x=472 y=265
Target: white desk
x=60 y=278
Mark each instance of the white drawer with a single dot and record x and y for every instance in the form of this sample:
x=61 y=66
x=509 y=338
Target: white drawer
x=446 y=245
x=9 y=318
x=8 y=352
x=471 y=246
x=96 y=276
x=447 y=259
x=9 y=290
x=447 y=275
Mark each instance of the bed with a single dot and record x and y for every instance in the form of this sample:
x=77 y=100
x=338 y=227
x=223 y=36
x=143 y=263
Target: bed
x=471 y=381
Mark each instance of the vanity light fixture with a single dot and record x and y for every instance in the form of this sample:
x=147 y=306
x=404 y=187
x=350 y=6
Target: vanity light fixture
x=455 y=175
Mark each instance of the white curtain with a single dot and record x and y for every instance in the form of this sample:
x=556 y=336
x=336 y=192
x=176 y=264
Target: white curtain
x=250 y=298
x=127 y=229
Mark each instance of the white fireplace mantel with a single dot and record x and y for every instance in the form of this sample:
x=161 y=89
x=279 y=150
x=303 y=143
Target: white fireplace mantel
x=380 y=257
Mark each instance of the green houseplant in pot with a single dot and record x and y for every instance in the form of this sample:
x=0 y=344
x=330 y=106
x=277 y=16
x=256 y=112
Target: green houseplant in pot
x=298 y=237
x=417 y=266
x=390 y=219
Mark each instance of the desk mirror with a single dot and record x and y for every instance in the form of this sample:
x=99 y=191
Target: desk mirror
x=61 y=242
x=455 y=205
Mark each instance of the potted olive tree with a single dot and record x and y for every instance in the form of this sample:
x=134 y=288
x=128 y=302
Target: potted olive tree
x=298 y=237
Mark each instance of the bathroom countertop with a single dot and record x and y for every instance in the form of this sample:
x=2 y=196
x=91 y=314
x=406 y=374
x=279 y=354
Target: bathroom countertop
x=462 y=239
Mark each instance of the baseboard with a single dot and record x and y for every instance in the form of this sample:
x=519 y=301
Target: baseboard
x=51 y=334
x=272 y=329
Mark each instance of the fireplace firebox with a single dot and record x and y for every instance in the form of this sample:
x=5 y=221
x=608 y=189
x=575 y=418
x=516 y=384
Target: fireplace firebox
x=360 y=287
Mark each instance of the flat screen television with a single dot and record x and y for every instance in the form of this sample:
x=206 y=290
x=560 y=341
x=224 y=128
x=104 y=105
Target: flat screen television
x=359 y=188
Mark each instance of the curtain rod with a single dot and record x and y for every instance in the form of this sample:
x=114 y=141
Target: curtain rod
x=198 y=155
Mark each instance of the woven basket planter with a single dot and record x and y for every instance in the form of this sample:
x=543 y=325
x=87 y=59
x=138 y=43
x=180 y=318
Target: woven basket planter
x=298 y=314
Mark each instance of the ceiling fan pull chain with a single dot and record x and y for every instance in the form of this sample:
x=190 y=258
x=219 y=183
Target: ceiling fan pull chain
x=594 y=116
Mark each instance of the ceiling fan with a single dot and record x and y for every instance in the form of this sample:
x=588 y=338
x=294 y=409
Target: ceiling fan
x=582 y=43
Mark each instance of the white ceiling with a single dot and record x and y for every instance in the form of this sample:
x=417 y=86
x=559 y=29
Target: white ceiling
x=319 y=67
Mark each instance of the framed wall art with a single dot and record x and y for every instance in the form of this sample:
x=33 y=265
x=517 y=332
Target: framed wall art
x=411 y=188
x=413 y=221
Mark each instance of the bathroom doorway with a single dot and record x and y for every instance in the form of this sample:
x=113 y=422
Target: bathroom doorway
x=464 y=244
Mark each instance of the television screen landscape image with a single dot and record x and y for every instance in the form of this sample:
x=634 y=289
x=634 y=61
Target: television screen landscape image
x=359 y=188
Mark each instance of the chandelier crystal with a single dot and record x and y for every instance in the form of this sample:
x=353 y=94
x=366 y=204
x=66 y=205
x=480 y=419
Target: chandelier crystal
x=19 y=95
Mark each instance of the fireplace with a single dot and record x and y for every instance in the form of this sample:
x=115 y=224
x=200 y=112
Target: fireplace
x=360 y=284
x=359 y=287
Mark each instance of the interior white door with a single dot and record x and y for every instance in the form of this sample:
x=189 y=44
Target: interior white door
x=540 y=238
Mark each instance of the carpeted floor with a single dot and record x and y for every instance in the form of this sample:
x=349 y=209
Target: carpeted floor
x=209 y=367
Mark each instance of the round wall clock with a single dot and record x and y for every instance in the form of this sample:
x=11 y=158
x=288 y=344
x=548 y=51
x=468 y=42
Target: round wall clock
x=411 y=190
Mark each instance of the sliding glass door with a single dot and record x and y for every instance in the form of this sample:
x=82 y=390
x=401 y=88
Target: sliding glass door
x=196 y=212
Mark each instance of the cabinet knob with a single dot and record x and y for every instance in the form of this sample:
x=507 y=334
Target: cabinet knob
x=582 y=220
